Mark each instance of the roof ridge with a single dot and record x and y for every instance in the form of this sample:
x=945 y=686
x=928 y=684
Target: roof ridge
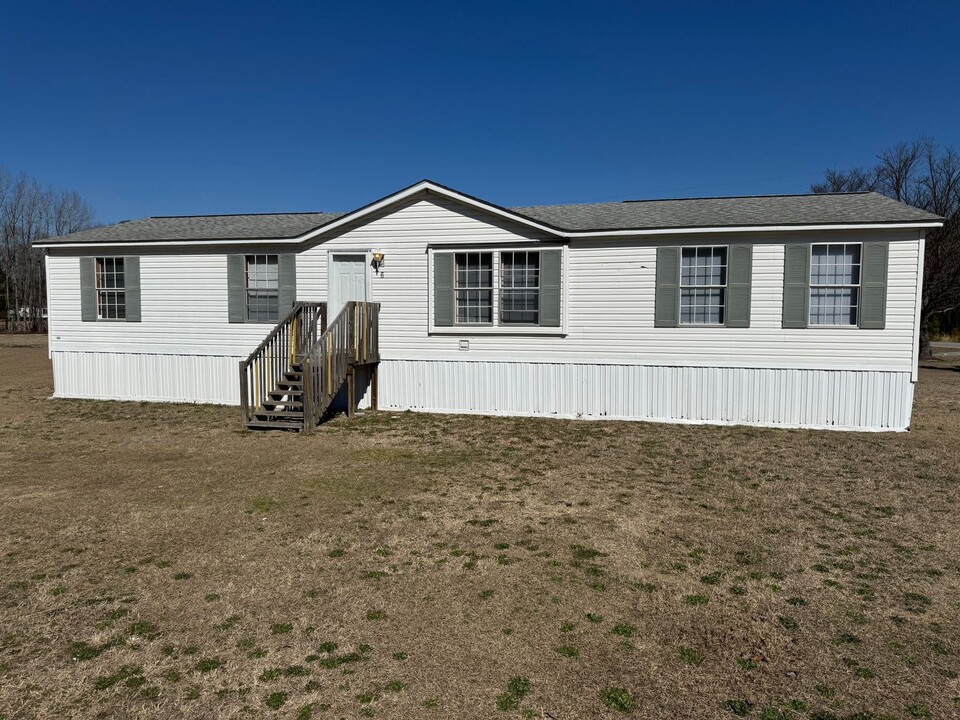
x=748 y=197
x=216 y=215
x=702 y=197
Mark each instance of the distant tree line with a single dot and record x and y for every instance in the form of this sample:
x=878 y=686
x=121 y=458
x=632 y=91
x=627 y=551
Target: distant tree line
x=926 y=175
x=29 y=212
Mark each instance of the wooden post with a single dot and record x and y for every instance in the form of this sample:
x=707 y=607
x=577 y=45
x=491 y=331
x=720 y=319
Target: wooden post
x=373 y=386
x=244 y=393
x=351 y=396
x=307 y=396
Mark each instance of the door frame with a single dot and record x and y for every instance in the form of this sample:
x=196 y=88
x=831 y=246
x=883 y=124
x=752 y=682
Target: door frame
x=368 y=274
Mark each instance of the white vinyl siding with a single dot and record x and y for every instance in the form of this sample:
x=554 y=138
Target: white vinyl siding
x=184 y=309
x=608 y=301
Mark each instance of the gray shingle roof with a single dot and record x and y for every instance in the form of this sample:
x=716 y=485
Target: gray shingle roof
x=204 y=227
x=783 y=210
x=826 y=209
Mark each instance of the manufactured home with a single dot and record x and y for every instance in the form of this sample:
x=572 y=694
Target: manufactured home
x=788 y=311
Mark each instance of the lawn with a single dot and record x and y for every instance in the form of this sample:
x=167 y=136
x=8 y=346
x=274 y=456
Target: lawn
x=159 y=561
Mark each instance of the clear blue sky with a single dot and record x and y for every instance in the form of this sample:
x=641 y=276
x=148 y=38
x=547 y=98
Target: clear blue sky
x=190 y=108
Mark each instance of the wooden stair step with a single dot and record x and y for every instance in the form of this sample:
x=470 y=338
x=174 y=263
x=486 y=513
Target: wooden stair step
x=277 y=414
x=268 y=425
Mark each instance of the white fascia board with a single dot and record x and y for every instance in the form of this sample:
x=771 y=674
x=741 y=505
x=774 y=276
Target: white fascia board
x=747 y=229
x=212 y=242
x=918 y=304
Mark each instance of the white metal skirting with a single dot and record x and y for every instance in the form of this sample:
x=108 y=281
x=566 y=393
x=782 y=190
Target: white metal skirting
x=144 y=376
x=834 y=399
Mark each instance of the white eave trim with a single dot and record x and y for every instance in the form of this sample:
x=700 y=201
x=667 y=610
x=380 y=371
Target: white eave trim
x=427 y=186
x=210 y=242
x=748 y=229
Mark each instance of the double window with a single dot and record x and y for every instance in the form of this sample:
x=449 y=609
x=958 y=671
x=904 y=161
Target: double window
x=111 y=289
x=834 y=283
x=516 y=284
x=703 y=285
x=263 y=288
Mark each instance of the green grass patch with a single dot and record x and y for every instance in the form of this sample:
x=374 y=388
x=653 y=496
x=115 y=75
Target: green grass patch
x=788 y=622
x=125 y=672
x=276 y=700
x=205 y=665
x=617 y=699
x=517 y=688
x=689 y=656
x=740 y=708
x=624 y=630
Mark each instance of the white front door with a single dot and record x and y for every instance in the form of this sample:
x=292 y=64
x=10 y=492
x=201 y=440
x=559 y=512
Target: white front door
x=348 y=281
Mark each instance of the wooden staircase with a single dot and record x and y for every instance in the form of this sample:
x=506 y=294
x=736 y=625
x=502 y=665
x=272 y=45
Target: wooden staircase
x=293 y=377
x=282 y=409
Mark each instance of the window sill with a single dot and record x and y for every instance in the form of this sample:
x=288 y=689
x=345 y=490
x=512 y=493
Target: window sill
x=463 y=330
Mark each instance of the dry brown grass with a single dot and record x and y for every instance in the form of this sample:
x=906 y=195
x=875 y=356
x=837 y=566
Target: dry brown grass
x=447 y=555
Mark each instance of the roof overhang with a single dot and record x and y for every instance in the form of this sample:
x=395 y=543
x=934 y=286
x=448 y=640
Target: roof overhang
x=432 y=188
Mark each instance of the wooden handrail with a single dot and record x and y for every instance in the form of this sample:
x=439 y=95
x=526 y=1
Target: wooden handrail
x=297 y=307
x=283 y=346
x=351 y=339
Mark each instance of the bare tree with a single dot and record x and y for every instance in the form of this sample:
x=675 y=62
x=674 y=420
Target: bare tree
x=852 y=180
x=927 y=176
x=31 y=212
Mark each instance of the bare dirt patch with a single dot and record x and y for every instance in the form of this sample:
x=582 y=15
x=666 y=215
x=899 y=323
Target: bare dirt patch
x=158 y=561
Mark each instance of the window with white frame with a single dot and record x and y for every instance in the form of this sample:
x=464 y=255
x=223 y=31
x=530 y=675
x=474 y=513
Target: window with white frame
x=473 y=287
x=834 y=283
x=263 y=288
x=703 y=285
x=520 y=287
x=111 y=289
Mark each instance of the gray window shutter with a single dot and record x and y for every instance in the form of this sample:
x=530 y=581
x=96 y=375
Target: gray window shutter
x=667 y=299
x=236 y=288
x=443 y=289
x=551 y=262
x=739 y=277
x=131 y=276
x=287 y=269
x=873 y=285
x=88 y=289
x=796 y=285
